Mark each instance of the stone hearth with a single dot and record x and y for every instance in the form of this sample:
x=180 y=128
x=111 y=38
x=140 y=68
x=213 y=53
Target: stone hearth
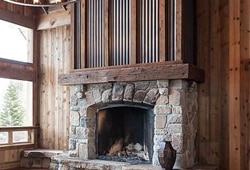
x=173 y=103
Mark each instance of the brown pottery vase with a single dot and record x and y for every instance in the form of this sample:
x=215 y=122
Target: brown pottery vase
x=167 y=156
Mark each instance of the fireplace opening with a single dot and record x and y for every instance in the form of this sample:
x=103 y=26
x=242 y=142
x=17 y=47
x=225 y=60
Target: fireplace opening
x=125 y=134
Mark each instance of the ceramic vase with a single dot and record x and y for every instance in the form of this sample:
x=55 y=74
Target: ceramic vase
x=167 y=156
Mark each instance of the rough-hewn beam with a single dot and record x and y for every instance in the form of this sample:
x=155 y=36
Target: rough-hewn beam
x=138 y=72
x=17 y=19
x=16 y=70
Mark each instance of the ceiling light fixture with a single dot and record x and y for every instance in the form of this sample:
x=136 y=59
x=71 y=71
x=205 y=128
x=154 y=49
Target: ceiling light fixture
x=41 y=3
x=44 y=4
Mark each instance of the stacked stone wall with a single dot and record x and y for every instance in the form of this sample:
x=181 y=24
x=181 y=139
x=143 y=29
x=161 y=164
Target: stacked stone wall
x=174 y=104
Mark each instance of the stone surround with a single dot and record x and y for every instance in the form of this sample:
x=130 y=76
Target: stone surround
x=174 y=104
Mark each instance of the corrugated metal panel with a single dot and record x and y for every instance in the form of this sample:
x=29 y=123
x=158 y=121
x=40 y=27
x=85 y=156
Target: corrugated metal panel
x=120 y=32
x=149 y=35
x=95 y=33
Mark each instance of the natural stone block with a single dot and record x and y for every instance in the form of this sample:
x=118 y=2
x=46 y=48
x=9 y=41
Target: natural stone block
x=117 y=92
x=163 y=91
x=159 y=139
x=74 y=118
x=80 y=88
x=161 y=131
x=74 y=108
x=73 y=100
x=162 y=100
x=175 y=97
x=141 y=85
x=105 y=86
x=129 y=92
x=81 y=132
x=155 y=160
x=175 y=128
x=72 y=144
x=80 y=95
x=151 y=96
x=107 y=96
x=192 y=87
x=82 y=102
x=178 y=84
x=152 y=85
x=162 y=83
x=178 y=142
x=73 y=153
x=83 y=112
x=42 y=162
x=72 y=130
x=160 y=121
x=175 y=119
x=97 y=95
x=181 y=162
x=177 y=109
x=83 y=122
x=89 y=98
x=139 y=96
x=83 y=151
x=162 y=109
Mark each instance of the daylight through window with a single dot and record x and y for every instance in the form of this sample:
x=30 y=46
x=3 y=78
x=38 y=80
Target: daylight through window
x=16 y=42
x=17 y=84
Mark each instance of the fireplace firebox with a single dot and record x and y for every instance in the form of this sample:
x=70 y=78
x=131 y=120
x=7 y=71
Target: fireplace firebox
x=125 y=133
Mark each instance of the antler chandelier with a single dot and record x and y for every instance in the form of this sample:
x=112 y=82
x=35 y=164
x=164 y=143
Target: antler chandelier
x=41 y=3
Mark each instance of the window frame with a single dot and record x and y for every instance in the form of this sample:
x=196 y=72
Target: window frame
x=18 y=70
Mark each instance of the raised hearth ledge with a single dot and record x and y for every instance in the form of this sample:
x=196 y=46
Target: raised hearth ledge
x=64 y=161
x=136 y=72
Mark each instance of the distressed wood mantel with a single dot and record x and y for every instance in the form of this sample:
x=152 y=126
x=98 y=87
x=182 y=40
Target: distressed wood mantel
x=137 y=72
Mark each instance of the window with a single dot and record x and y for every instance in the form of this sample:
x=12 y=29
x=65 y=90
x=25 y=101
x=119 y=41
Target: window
x=18 y=81
x=15 y=102
x=16 y=42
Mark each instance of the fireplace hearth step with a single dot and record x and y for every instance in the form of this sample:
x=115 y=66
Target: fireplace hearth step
x=64 y=162
x=39 y=158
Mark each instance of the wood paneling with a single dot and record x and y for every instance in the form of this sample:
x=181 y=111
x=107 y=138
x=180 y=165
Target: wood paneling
x=55 y=58
x=56 y=19
x=234 y=86
x=223 y=51
x=244 y=117
x=10 y=159
x=212 y=53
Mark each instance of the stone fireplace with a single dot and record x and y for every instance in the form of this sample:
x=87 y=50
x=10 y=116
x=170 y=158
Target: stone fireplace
x=144 y=113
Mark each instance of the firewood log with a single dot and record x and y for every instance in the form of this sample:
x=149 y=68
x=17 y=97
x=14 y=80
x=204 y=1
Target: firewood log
x=116 y=147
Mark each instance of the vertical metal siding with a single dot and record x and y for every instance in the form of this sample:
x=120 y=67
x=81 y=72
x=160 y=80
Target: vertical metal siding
x=120 y=32
x=149 y=26
x=95 y=33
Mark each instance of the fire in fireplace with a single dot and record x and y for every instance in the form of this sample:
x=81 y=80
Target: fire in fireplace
x=125 y=133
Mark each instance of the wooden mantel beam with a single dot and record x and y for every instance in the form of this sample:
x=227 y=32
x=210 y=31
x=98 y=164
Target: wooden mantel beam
x=137 y=72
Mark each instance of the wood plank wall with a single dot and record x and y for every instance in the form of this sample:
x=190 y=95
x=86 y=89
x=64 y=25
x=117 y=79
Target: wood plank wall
x=212 y=50
x=25 y=11
x=55 y=58
x=10 y=158
x=244 y=24
x=223 y=51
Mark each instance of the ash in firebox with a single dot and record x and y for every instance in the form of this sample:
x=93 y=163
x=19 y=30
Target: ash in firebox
x=132 y=153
